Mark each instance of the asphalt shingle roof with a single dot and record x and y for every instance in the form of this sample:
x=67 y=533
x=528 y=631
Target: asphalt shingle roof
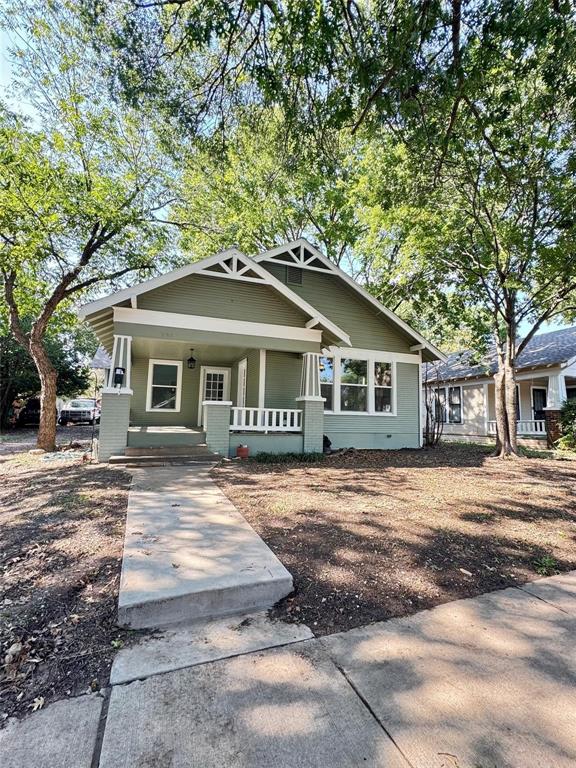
x=544 y=349
x=101 y=359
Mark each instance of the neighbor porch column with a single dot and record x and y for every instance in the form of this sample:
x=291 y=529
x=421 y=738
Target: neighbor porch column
x=217 y=425
x=555 y=396
x=312 y=404
x=116 y=399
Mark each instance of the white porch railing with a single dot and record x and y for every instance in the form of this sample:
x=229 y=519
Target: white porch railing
x=523 y=427
x=265 y=420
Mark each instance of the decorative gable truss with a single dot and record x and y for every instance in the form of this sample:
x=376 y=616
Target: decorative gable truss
x=231 y=265
x=234 y=267
x=298 y=254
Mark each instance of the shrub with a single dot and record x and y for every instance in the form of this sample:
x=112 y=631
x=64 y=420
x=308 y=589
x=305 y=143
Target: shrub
x=568 y=423
x=288 y=458
x=546 y=565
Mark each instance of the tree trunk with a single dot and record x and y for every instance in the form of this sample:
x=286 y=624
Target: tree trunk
x=510 y=402
x=48 y=378
x=502 y=434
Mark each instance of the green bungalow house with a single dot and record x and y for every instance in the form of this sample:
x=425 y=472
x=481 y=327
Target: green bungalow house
x=272 y=351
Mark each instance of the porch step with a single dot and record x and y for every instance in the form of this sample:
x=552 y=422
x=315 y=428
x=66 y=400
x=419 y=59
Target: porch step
x=169 y=450
x=165 y=437
x=189 y=554
x=165 y=459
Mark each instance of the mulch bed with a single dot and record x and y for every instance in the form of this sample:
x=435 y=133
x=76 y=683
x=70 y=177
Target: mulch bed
x=62 y=528
x=370 y=535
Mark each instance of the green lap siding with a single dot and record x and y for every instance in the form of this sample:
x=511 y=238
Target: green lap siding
x=283 y=371
x=252 y=378
x=375 y=431
x=217 y=297
x=367 y=328
x=187 y=416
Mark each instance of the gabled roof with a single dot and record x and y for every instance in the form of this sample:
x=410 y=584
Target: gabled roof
x=229 y=264
x=301 y=253
x=542 y=351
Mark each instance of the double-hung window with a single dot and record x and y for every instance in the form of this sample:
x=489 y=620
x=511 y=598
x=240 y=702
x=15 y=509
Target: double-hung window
x=383 y=387
x=164 y=385
x=327 y=382
x=448 y=404
x=455 y=405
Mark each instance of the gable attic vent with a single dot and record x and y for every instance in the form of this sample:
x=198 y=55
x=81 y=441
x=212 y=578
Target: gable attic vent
x=294 y=275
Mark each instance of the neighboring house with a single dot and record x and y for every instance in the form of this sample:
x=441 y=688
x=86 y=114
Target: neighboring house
x=272 y=352
x=545 y=375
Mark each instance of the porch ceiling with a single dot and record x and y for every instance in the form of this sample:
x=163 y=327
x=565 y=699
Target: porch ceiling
x=178 y=350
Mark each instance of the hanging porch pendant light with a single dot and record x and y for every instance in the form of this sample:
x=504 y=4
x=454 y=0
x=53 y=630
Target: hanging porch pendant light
x=191 y=362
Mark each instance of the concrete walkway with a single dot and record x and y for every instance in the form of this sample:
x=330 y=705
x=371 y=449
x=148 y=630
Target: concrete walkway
x=189 y=553
x=488 y=682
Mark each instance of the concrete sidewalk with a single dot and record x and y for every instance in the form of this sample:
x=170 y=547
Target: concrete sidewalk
x=488 y=682
x=189 y=553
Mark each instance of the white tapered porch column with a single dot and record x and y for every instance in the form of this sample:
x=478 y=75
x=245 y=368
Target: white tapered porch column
x=116 y=399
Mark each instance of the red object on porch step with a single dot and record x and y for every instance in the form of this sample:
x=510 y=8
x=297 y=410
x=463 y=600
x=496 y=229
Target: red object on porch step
x=242 y=451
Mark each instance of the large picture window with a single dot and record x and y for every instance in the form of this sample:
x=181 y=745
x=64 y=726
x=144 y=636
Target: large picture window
x=354 y=385
x=361 y=382
x=164 y=385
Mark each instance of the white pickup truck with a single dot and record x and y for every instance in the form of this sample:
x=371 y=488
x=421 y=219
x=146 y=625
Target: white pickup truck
x=80 y=410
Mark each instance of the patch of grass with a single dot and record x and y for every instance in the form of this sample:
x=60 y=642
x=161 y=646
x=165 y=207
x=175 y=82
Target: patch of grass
x=288 y=458
x=546 y=565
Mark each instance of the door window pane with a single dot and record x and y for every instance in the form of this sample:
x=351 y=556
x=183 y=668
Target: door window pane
x=214 y=386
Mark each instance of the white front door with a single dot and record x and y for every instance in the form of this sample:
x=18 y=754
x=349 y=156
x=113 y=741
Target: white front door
x=214 y=385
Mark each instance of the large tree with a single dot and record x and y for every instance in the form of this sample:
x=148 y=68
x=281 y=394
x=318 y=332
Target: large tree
x=69 y=347
x=79 y=188
x=479 y=95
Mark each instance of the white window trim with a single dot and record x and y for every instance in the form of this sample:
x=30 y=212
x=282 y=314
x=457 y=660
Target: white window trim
x=151 y=364
x=241 y=385
x=371 y=357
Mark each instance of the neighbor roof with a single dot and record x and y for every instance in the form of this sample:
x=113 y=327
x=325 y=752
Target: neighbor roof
x=101 y=359
x=542 y=351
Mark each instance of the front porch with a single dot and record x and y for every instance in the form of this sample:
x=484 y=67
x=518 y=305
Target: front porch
x=210 y=397
x=470 y=410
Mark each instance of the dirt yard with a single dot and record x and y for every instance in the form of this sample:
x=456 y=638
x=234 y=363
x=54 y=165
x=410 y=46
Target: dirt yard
x=371 y=535
x=61 y=527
